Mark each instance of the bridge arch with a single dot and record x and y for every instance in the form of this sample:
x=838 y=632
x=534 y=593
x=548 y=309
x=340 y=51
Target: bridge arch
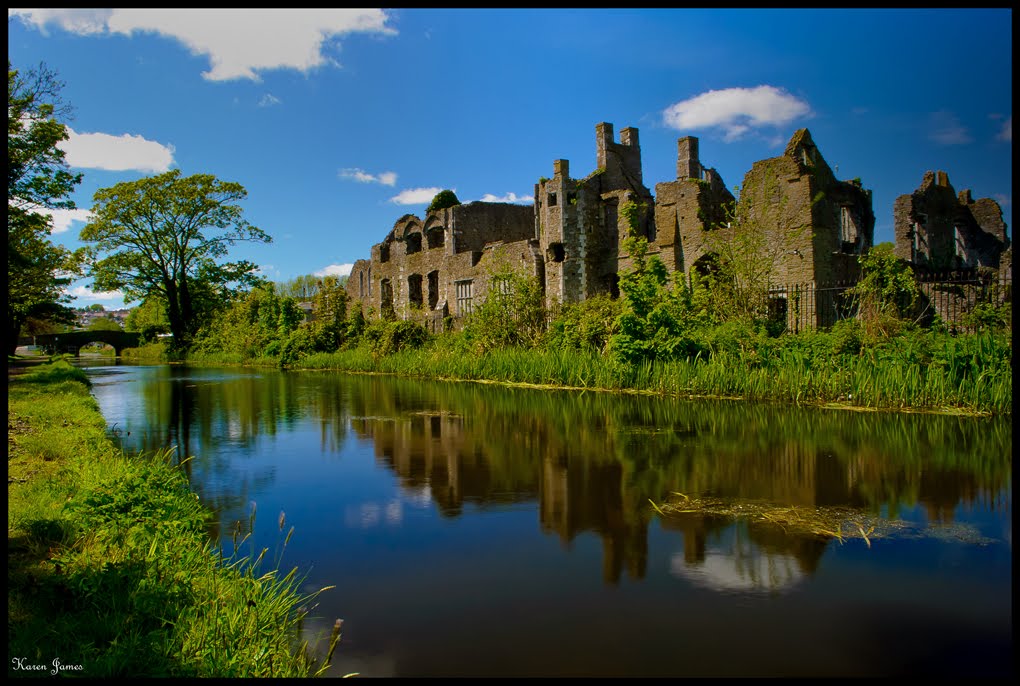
x=72 y=341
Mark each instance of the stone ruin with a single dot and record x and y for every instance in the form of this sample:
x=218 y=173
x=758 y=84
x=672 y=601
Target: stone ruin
x=571 y=240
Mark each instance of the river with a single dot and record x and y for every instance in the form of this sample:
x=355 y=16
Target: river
x=480 y=530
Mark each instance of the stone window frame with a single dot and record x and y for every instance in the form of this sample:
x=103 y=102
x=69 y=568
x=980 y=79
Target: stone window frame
x=960 y=249
x=413 y=243
x=849 y=229
x=465 y=295
x=920 y=229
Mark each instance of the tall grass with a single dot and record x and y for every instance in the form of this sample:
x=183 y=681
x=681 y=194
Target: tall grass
x=923 y=371
x=109 y=564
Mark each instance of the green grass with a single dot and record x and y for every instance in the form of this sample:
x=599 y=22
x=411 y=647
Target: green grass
x=927 y=372
x=109 y=564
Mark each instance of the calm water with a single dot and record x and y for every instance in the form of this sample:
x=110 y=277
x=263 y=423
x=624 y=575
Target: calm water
x=477 y=530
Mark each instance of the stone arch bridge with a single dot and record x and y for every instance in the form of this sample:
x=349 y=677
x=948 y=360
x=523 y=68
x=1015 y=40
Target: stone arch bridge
x=72 y=341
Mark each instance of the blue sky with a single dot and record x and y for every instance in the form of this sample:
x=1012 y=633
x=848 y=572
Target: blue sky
x=337 y=122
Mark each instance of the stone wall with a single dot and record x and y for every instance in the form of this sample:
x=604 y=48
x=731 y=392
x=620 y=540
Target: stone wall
x=937 y=229
x=415 y=270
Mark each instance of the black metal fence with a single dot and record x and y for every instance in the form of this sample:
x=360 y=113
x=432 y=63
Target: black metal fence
x=949 y=297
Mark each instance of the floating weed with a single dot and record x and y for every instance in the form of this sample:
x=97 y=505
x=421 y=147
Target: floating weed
x=838 y=523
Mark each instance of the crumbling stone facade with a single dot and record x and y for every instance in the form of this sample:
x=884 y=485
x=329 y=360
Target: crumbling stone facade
x=441 y=265
x=688 y=209
x=578 y=223
x=940 y=230
x=813 y=228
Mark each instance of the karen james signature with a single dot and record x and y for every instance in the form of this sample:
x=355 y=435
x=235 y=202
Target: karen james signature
x=54 y=668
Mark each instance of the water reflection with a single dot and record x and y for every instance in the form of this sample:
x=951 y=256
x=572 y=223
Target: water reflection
x=592 y=462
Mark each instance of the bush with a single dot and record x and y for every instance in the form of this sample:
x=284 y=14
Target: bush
x=587 y=325
x=443 y=199
x=386 y=338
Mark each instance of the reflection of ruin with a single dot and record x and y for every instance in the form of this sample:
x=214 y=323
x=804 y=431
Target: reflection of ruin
x=440 y=454
x=432 y=453
x=594 y=462
x=591 y=497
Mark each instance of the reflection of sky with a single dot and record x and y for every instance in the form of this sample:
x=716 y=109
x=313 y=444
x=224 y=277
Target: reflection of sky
x=722 y=570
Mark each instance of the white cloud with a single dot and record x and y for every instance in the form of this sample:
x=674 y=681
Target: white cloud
x=116 y=153
x=268 y=100
x=1002 y=199
x=61 y=219
x=509 y=197
x=946 y=129
x=385 y=178
x=415 y=196
x=1007 y=131
x=736 y=110
x=335 y=270
x=238 y=43
x=86 y=293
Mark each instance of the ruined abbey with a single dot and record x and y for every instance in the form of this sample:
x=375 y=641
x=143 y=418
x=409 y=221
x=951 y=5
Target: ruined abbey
x=814 y=228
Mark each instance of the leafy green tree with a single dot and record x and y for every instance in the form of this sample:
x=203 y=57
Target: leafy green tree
x=660 y=311
x=148 y=319
x=256 y=324
x=329 y=308
x=443 y=199
x=887 y=291
x=163 y=236
x=104 y=324
x=37 y=178
x=301 y=288
x=95 y=307
x=512 y=315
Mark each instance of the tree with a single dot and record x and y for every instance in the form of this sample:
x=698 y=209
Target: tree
x=162 y=237
x=37 y=178
x=148 y=319
x=443 y=200
x=104 y=324
x=330 y=309
x=301 y=288
x=887 y=291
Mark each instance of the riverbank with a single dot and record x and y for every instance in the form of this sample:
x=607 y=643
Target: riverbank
x=110 y=568
x=968 y=374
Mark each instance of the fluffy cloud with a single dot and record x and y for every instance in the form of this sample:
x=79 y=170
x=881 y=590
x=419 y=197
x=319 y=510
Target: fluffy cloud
x=116 y=153
x=61 y=219
x=86 y=293
x=385 y=178
x=1006 y=134
x=946 y=129
x=509 y=197
x=335 y=270
x=415 y=196
x=238 y=43
x=268 y=100
x=736 y=110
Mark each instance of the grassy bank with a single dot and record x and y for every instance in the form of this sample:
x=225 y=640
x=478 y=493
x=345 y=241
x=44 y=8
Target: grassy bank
x=971 y=374
x=110 y=569
x=919 y=371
